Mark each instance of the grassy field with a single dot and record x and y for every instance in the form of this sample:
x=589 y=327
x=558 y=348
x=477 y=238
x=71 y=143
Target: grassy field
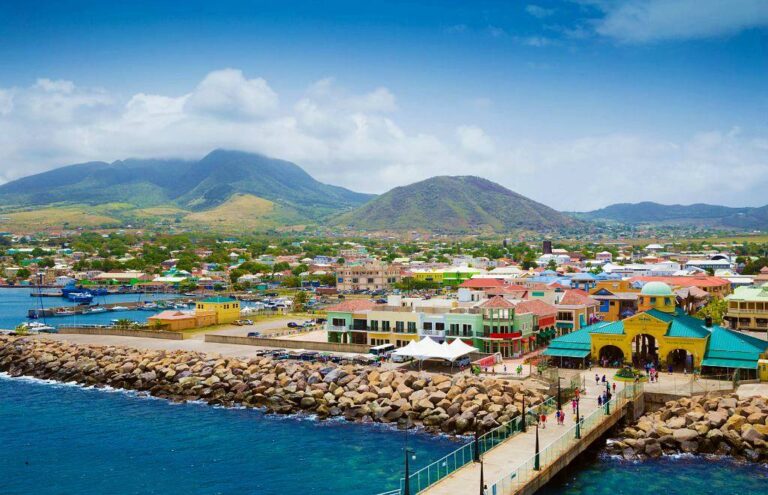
x=55 y=218
x=243 y=212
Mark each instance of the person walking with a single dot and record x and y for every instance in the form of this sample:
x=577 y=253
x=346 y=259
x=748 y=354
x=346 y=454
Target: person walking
x=543 y=419
x=597 y=379
x=573 y=405
x=613 y=386
x=599 y=400
x=557 y=417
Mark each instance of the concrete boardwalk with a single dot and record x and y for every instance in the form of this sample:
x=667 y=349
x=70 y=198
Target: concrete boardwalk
x=513 y=453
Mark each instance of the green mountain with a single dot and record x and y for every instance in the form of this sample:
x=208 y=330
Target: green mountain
x=703 y=215
x=287 y=192
x=453 y=205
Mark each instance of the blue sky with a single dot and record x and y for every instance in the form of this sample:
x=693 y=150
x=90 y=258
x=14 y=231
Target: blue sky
x=577 y=104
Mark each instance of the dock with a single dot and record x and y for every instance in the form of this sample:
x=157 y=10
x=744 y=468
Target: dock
x=513 y=467
x=71 y=310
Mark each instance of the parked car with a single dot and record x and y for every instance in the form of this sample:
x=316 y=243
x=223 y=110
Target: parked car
x=396 y=358
x=240 y=323
x=254 y=334
x=293 y=324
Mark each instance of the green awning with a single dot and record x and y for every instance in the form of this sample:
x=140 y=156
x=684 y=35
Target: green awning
x=572 y=353
x=729 y=363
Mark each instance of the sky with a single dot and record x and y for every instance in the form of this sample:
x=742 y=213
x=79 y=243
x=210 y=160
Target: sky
x=578 y=104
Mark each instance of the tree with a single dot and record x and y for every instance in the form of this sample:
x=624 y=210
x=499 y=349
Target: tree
x=298 y=270
x=23 y=274
x=291 y=281
x=715 y=309
x=300 y=300
x=552 y=265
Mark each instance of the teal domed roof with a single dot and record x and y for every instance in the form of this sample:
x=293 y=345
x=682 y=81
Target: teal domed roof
x=656 y=289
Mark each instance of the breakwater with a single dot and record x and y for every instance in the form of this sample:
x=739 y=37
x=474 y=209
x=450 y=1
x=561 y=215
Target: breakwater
x=725 y=426
x=438 y=403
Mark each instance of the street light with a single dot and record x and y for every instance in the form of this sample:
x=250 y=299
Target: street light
x=559 y=399
x=523 y=429
x=536 y=465
x=408 y=452
x=578 y=418
x=607 y=395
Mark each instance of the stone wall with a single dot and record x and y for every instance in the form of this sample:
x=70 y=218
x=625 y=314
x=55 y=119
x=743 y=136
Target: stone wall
x=287 y=343
x=721 y=425
x=439 y=403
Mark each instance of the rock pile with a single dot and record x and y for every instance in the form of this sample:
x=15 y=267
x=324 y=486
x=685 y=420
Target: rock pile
x=437 y=402
x=723 y=426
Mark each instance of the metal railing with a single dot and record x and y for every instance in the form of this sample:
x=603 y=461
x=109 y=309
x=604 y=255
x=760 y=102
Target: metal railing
x=515 y=480
x=434 y=472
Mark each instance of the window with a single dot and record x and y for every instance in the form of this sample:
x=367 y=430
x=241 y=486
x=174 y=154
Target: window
x=374 y=325
x=454 y=328
x=412 y=327
x=399 y=326
x=427 y=325
x=370 y=280
x=439 y=326
x=385 y=326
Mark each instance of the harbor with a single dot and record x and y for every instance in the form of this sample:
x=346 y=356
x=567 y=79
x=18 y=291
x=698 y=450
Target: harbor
x=89 y=309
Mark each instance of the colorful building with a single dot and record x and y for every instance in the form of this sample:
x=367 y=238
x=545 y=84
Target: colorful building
x=664 y=336
x=714 y=286
x=225 y=309
x=575 y=310
x=177 y=321
x=748 y=308
x=492 y=326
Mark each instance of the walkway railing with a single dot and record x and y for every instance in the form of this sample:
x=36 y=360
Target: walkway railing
x=431 y=474
x=523 y=474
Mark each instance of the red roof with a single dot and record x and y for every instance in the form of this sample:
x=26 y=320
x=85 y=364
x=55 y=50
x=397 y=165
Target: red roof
x=697 y=281
x=352 y=305
x=577 y=297
x=482 y=283
x=497 y=302
x=537 y=307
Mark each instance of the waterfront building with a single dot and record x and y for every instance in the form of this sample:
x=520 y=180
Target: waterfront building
x=491 y=326
x=748 y=308
x=225 y=309
x=368 y=276
x=663 y=335
x=177 y=321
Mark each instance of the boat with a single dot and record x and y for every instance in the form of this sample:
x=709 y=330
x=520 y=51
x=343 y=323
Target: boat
x=37 y=327
x=64 y=312
x=150 y=306
x=97 y=309
x=80 y=297
x=99 y=291
x=120 y=308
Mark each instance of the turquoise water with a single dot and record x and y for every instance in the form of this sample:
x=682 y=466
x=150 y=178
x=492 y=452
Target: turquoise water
x=667 y=476
x=15 y=302
x=63 y=439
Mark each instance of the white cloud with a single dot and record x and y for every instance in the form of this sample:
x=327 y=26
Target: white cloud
x=641 y=21
x=538 y=11
x=228 y=94
x=355 y=140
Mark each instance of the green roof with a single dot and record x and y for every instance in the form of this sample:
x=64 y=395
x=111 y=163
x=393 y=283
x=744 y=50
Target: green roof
x=574 y=353
x=682 y=325
x=610 y=327
x=730 y=349
x=218 y=299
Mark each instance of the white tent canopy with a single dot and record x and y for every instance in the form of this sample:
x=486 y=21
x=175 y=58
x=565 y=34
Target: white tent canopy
x=427 y=348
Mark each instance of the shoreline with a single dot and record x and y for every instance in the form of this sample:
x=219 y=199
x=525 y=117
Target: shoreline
x=436 y=403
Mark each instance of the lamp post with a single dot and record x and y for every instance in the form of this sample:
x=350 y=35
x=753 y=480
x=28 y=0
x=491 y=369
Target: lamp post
x=536 y=465
x=408 y=452
x=607 y=401
x=523 y=427
x=578 y=419
x=559 y=398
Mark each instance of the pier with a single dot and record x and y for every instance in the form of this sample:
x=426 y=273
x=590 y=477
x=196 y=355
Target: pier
x=83 y=309
x=523 y=462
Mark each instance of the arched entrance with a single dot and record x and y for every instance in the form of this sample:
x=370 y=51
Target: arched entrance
x=679 y=360
x=611 y=356
x=645 y=350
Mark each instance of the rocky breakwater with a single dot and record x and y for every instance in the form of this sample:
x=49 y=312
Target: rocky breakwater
x=724 y=426
x=439 y=403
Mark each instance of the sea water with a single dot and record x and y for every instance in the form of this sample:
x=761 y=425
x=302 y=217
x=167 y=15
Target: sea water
x=15 y=302
x=64 y=439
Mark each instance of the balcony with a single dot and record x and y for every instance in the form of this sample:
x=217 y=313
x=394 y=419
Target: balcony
x=337 y=328
x=433 y=333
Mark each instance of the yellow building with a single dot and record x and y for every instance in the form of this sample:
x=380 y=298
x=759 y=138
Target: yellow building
x=177 y=321
x=428 y=275
x=226 y=309
x=664 y=336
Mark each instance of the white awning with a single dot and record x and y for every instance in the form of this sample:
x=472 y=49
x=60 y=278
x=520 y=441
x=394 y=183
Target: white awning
x=427 y=348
